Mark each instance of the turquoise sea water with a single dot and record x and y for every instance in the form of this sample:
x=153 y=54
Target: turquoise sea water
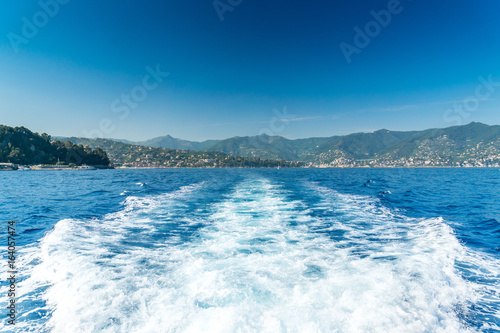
x=254 y=250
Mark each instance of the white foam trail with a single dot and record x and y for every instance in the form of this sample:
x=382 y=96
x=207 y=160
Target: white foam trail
x=253 y=271
x=82 y=273
x=449 y=276
x=484 y=273
x=262 y=263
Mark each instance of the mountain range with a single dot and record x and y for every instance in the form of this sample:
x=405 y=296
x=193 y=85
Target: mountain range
x=475 y=144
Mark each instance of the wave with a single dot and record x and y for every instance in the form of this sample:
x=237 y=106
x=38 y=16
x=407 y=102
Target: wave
x=81 y=272
x=255 y=261
x=456 y=287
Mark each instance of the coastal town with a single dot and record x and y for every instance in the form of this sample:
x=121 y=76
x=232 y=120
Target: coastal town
x=465 y=146
x=492 y=161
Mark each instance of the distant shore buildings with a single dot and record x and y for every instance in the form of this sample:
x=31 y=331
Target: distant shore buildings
x=47 y=167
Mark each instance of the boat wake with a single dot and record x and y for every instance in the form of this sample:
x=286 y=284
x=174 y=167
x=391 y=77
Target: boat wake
x=254 y=261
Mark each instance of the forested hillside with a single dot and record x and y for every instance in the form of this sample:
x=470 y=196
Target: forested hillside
x=123 y=154
x=474 y=144
x=21 y=146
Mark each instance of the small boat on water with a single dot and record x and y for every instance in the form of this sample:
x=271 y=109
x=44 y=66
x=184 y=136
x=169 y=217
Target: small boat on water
x=86 y=167
x=7 y=167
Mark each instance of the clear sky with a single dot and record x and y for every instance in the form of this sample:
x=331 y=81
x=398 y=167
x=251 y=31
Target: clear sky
x=235 y=67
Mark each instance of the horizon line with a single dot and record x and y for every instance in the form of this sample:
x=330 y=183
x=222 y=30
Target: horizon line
x=263 y=134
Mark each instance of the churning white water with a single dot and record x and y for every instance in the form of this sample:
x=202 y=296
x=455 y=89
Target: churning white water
x=254 y=261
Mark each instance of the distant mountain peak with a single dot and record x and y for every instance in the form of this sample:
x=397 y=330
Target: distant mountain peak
x=477 y=124
x=449 y=145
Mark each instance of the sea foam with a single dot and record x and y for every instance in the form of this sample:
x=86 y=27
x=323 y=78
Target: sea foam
x=257 y=261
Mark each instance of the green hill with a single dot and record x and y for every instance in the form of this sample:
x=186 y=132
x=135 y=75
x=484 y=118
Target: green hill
x=19 y=145
x=474 y=144
x=123 y=154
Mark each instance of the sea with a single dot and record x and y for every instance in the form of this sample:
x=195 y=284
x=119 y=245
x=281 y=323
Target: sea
x=252 y=250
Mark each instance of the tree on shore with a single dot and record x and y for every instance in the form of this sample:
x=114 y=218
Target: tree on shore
x=21 y=146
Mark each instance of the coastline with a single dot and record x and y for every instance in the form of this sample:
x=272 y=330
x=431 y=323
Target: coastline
x=163 y=168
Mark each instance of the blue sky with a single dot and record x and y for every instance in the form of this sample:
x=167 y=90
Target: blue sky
x=239 y=68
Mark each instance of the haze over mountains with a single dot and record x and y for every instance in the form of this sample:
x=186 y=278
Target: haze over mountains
x=474 y=144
